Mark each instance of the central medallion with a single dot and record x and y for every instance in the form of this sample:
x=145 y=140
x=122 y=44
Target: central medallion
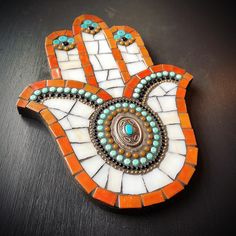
x=128 y=135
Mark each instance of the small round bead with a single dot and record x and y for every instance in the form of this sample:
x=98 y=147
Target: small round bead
x=135 y=162
x=153 y=76
x=143 y=160
x=106 y=111
x=148 y=78
x=153 y=149
x=155 y=143
x=149 y=156
x=102 y=116
x=120 y=32
x=33 y=97
x=103 y=141
x=152 y=124
x=66 y=90
x=149 y=118
x=138 y=109
x=117 y=105
x=56 y=42
x=60 y=90
x=45 y=90
x=99 y=128
x=62 y=38
x=172 y=74
x=84 y=26
x=144 y=113
x=137 y=90
x=112 y=108
x=159 y=75
x=143 y=81
x=52 y=89
x=100 y=134
x=156 y=136
x=116 y=36
x=94 y=97
x=128 y=36
x=81 y=92
x=74 y=90
x=165 y=73
x=37 y=92
x=95 y=25
x=135 y=95
x=100 y=122
x=155 y=130
x=70 y=40
x=88 y=22
x=178 y=76
x=99 y=101
x=113 y=153
x=87 y=94
x=127 y=161
x=125 y=104
x=119 y=158
x=108 y=147
x=140 y=86
x=132 y=105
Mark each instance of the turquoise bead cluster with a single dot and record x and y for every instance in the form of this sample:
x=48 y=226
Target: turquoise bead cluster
x=64 y=43
x=123 y=38
x=90 y=26
x=145 y=82
x=38 y=94
x=131 y=163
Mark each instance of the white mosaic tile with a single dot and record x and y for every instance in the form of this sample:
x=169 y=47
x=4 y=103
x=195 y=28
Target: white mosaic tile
x=102 y=175
x=133 y=48
x=74 y=58
x=154 y=104
x=78 y=122
x=67 y=65
x=104 y=47
x=74 y=74
x=133 y=184
x=116 y=92
x=167 y=86
x=136 y=67
x=107 y=61
x=73 y=51
x=100 y=35
x=129 y=57
x=61 y=104
x=101 y=75
x=84 y=150
x=87 y=37
x=177 y=146
x=114 y=180
x=95 y=63
x=61 y=55
x=111 y=84
x=175 y=132
x=114 y=74
x=57 y=113
x=170 y=117
x=78 y=135
x=65 y=123
x=167 y=103
x=81 y=109
x=157 y=91
x=92 y=47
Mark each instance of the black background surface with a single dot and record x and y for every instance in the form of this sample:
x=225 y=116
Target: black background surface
x=38 y=195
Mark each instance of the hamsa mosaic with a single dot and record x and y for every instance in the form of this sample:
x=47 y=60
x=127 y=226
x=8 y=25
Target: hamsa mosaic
x=120 y=122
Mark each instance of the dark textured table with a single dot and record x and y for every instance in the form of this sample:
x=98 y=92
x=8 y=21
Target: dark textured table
x=38 y=195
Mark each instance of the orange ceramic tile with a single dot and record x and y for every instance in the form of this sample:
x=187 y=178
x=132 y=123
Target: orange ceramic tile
x=184 y=120
x=139 y=41
x=91 y=89
x=125 y=76
x=84 y=59
x=73 y=164
x=27 y=92
x=50 y=50
x=148 y=61
x=48 y=41
x=186 y=173
x=56 y=73
x=21 y=103
x=129 y=29
x=104 y=95
x=112 y=43
x=36 y=107
x=64 y=145
x=92 y=80
x=122 y=66
x=61 y=32
x=185 y=81
x=144 y=73
x=86 y=182
x=74 y=84
x=130 y=201
x=188 y=76
x=76 y=29
x=38 y=85
x=171 y=189
x=93 y=18
x=192 y=153
x=57 y=130
x=180 y=92
x=167 y=67
x=48 y=117
x=181 y=105
x=178 y=70
x=105 y=196
x=128 y=92
x=107 y=32
x=52 y=61
x=189 y=136
x=133 y=82
x=113 y=29
x=88 y=70
x=157 y=68
x=152 y=198
x=55 y=83
x=53 y=35
x=144 y=52
x=116 y=53
x=69 y=33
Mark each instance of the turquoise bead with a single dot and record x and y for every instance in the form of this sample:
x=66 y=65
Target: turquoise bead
x=94 y=97
x=127 y=161
x=117 y=105
x=108 y=147
x=84 y=26
x=137 y=90
x=106 y=111
x=103 y=141
x=140 y=86
x=135 y=95
x=99 y=101
x=52 y=89
x=95 y=25
x=99 y=128
x=87 y=94
x=149 y=156
x=155 y=143
x=144 y=113
x=178 y=76
x=129 y=129
x=100 y=121
x=159 y=75
x=165 y=73
x=172 y=74
x=113 y=153
x=135 y=162
x=148 y=78
x=45 y=90
x=60 y=90
x=156 y=136
x=112 y=108
x=74 y=90
x=128 y=36
x=132 y=105
x=138 y=109
x=100 y=134
x=56 y=42
x=155 y=130
x=116 y=36
x=120 y=32
x=119 y=158
x=88 y=22
x=81 y=92
x=125 y=104
x=143 y=81
x=143 y=160
x=70 y=40
x=33 y=97
x=62 y=38
x=102 y=116
x=152 y=124
x=148 y=118
x=37 y=92
x=66 y=90
x=153 y=149
x=153 y=76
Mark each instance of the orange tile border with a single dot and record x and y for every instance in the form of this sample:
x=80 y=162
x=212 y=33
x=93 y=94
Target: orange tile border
x=86 y=182
x=181 y=105
x=21 y=103
x=192 y=154
x=74 y=84
x=56 y=83
x=152 y=198
x=185 y=174
x=184 y=120
x=48 y=117
x=73 y=164
x=173 y=188
x=26 y=93
x=104 y=95
x=64 y=146
x=91 y=88
x=189 y=137
x=156 y=68
x=130 y=201
x=56 y=130
x=36 y=107
x=105 y=196
x=180 y=92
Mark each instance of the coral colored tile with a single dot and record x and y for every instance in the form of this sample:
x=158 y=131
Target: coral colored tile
x=104 y=95
x=76 y=29
x=56 y=83
x=113 y=29
x=116 y=53
x=86 y=182
x=126 y=76
x=171 y=189
x=189 y=136
x=84 y=59
x=69 y=33
x=38 y=85
x=27 y=92
x=105 y=196
x=186 y=173
x=181 y=105
x=192 y=153
x=73 y=164
x=56 y=130
x=152 y=198
x=180 y=92
x=52 y=61
x=91 y=89
x=130 y=201
x=36 y=107
x=144 y=52
x=108 y=33
x=56 y=73
x=128 y=92
x=139 y=41
x=21 y=103
x=188 y=76
x=122 y=66
x=92 y=80
x=133 y=82
x=148 y=61
x=112 y=43
x=80 y=46
x=48 y=41
x=53 y=35
x=185 y=81
x=61 y=32
x=167 y=67
x=50 y=50
x=129 y=29
x=178 y=70
x=157 y=68
x=184 y=120
x=88 y=70
x=48 y=117
x=64 y=146
x=144 y=73
x=74 y=84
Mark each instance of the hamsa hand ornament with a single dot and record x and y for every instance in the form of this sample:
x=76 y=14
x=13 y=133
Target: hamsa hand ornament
x=120 y=122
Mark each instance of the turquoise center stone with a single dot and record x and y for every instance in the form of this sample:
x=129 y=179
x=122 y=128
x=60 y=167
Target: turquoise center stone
x=129 y=130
